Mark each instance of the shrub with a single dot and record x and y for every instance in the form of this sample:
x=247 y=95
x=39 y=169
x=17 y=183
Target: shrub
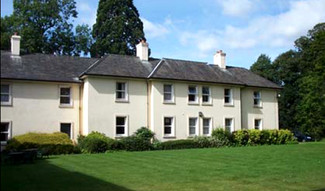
x=202 y=142
x=221 y=135
x=254 y=137
x=156 y=144
x=53 y=143
x=241 y=137
x=178 y=144
x=94 y=142
x=135 y=143
x=144 y=133
x=284 y=136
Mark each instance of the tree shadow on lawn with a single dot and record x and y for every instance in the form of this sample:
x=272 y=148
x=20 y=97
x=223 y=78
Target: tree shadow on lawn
x=44 y=176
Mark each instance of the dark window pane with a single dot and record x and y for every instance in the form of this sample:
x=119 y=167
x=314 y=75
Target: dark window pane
x=205 y=130
x=227 y=92
x=205 y=98
x=256 y=102
x=192 y=130
x=192 y=121
x=120 y=95
x=120 y=130
x=206 y=90
x=120 y=86
x=257 y=94
x=4 y=127
x=167 y=96
x=167 y=88
x=5 y=89
x=206 y=122
x=168 y=121
x=228 y=122
x=65 y=91
x=227 y=100
x=192 y=89
x=120 y=120
x=191 y=98
x=65 y=100
x=4 y=136
x=4 y=98
x=66 y=128
x=168 y=130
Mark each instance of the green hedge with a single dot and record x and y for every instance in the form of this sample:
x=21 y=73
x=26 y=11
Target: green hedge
x=94 y=142
x=52 y=143
x=178 y=144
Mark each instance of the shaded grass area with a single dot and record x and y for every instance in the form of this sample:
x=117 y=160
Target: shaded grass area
x=277 y=167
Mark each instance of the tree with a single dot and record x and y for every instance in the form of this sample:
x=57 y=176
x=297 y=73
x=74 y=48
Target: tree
x=45 y=25
x=118 y=28
x=83 y=40
x=7 y=31
x=263 y=67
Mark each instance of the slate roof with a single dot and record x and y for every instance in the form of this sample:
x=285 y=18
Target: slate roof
x=43 y=67
x=123 y=66
x=193 y=71
x=251 y=79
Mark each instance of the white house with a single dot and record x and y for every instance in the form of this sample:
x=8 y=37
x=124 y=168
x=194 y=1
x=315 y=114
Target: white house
x=117 y=94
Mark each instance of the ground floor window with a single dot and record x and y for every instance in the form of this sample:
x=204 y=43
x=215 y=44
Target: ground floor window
x=168 y=126
x=192 y=126
x=66 y=128
x=121 y=125
x=5 y=132
x=206 y=126
x=258 y=124
x=229 y=124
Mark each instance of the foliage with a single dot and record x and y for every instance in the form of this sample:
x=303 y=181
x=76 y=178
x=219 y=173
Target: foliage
x=241 y=137
x=301 y=73
x=178 y=144
x=53 y=143
x=118 y=28
x=144 y=133
x=83 y=40
x=135 y=143
x=94 y=142
x=263 y=67
x=222 y=135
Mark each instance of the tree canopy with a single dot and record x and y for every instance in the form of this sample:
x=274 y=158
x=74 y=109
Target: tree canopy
x=118 y=28
x=301 y=73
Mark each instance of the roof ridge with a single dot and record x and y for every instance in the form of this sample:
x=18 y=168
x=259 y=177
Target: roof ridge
x=93 y=65
x=185 y=60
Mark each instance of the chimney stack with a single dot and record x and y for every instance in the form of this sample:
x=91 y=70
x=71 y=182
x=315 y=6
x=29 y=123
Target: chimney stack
x=15 y=44
x=142 y=50
x=220 y=59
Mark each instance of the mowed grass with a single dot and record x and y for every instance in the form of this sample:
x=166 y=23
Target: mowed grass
x=278 y=167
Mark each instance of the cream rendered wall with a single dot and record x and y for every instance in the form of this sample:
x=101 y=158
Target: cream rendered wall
x=102 y=107
x=268 y=112
x=181 y=110
x=36 y=108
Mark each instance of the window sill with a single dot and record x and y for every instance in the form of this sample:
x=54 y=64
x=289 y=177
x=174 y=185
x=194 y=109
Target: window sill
x=207 y=104
x=258 y=107
x=193 y=103
x=229 y=105
x=6 y=104
x=120 y=136
x=169 y=102
x=65 y=106
x=122 y=101
x=169 y=137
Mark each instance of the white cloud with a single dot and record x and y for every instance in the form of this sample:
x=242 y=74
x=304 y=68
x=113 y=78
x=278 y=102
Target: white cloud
x=84 y=7
x=153 y=30
x=236 y=8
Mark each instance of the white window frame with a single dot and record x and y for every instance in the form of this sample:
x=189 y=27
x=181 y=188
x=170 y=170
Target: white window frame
x=257 y=98
x=232 y=127
x=126 y=126
x=209 y=96
x=210 y=126
x=71 y=128
x=172 y=100
x=231 y=103
x=196 y=94
x=196 y=127
x=9 y=131
x=126 y=99
x=260 y=125
x=70 y=96
x=9 y=102
x=172 y=134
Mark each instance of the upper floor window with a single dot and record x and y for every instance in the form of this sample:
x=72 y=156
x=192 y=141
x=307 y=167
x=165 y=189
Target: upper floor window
x=229 y=124
x=258 y=124
x=5 y=132
x=168 y=93
x=228 y=97
x=206 y=94
x=65 y=96
x=5 y=94
x=121 y=91
x=206 y=126
x=192 y=126
x=192 y=94
x=257 y=98
x=169 y=127
x=121 y=125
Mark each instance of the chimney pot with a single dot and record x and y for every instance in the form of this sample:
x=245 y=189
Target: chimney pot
x=15 y=44
x=143 y=50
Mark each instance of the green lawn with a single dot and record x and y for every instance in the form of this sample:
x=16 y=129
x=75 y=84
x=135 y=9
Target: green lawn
x=278 y=167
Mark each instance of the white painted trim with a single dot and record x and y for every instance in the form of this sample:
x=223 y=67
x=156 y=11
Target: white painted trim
x=211 y=125
x=173 y=126
x=7 y=103
x=261 y=124
x=231 y=97
x=261 y=103
x=172 y=101
x=196 y=102
x=126 y=92
x=70 y=105
x=210 y=96
x=196 y=126
x=126 y=128
x=71 y=128
x=232 y=128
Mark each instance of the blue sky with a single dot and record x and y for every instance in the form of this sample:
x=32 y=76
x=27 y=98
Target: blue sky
x=195 y=30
